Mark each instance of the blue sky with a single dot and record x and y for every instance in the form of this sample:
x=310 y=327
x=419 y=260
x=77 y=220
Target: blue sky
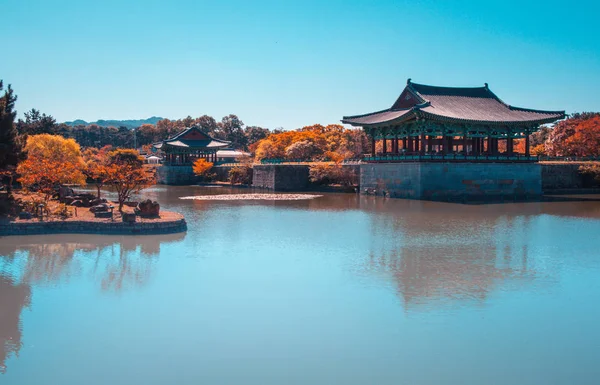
x=289 y=64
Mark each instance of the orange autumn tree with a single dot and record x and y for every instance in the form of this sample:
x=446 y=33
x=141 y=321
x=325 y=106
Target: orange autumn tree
x=51 y=161
x=126 y=174
x=201 y=167
x=313 y=143
x=577 y=136
x=96 y=161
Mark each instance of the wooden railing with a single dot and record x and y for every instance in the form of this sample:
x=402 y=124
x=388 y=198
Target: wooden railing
x=448 y=157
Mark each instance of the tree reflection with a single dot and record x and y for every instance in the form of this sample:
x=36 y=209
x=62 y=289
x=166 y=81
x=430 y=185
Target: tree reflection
x=116 y=261
x=13 y=299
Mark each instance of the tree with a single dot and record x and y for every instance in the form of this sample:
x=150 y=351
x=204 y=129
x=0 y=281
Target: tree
x=36 y=123
x=127 y=179
x=577 y=136
x=254 y=134
x=51 y=161
x=207 y=124
x=231 y=129
x=10 y=148
x=241 y=174
x=592 y=170
x=332 y=174
x=303 y=150
x=201 y=167
x=125 y=156
x=96 y=162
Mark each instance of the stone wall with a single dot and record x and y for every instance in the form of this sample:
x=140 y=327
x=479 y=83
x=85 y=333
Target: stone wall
x=281 y=177
x=176 y=175
x=82 y=227
x=563 y=176
x=452 y=181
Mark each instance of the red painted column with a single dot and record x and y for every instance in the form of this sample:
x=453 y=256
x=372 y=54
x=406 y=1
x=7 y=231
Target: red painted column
x=384 y=145
x=372 y=145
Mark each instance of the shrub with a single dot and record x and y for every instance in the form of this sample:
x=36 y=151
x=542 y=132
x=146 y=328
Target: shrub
x=241 y=174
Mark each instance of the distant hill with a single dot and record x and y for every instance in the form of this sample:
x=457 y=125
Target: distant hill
x=131 y=123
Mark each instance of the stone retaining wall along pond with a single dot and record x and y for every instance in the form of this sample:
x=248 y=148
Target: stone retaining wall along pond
x=35 y=227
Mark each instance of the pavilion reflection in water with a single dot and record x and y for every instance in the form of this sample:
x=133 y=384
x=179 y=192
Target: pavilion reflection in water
x=118 y=262
x=444 y=259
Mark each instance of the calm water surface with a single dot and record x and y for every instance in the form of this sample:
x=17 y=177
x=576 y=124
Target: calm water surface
x=342 y=289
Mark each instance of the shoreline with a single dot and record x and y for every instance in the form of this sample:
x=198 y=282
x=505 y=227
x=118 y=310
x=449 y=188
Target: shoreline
x=168 y=223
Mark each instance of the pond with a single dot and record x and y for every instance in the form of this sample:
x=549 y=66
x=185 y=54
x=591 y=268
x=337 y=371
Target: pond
x=337 y=289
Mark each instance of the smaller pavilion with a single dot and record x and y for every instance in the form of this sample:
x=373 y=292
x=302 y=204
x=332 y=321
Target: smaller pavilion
x=189 y=145
x=432 y=123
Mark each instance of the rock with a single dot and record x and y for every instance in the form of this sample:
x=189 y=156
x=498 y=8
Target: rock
x=148 y=208
x=103 y=214
x=78 y=203
x=102 y=207
x=64 y=192
x=24 y=215
x=128 y=217
x=96 y=202
x=68 y=200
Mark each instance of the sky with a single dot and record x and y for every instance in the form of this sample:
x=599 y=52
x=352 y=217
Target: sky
x=291 y=63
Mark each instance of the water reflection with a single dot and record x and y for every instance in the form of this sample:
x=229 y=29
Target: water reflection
x=116 y=262
x=431 y=255
x=13 y=299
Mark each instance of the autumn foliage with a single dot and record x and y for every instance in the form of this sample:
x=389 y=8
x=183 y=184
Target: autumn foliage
x=202 y=167
x=51 y=161
x=310 y=143
x=577 y=136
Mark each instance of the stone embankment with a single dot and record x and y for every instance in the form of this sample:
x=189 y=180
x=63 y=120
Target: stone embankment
x=168 y=223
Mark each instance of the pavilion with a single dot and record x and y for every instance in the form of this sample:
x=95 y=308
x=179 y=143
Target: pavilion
x=189 y=145
x=431 y=123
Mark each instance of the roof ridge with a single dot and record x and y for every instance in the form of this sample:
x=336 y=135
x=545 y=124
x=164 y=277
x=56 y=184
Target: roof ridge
x=371 y=113
x=535 y=110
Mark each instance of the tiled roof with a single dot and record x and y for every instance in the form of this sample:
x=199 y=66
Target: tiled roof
x=193 y=137
x=474 y=104
x=197 y=143
x=377 y=117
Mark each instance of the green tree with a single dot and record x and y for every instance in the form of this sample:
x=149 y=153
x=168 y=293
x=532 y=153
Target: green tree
x=36 y=123
x=10 y=148
x=231 y=129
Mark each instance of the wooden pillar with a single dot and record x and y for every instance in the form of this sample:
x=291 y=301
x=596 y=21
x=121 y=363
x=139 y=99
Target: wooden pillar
x=409 y=141
x=384 y=145
x=465 y=143
x=404 y=143
x=509 y=145
x=444 y=144
x=429 y=144
x=396 y=144
x=450 y=142
x=372 y=145
x=422 y=144
x=527 y=151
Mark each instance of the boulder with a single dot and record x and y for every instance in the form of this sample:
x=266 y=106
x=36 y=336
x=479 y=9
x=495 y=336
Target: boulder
x=64 y=192
x=128 y=217
x=102 y=207
x=148 y=208
x=96 y=202
x=24 y=215
x=103 y=214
